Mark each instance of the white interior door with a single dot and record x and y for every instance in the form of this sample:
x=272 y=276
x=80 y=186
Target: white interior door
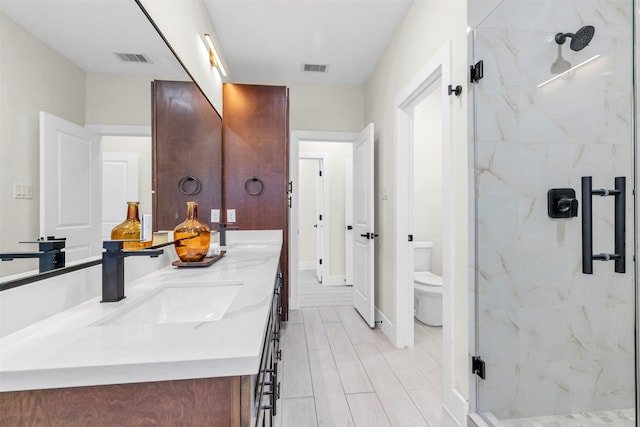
x=348 y=220
x=319 y=222
x=363 y=227
x=70 y=186
x=120 y=179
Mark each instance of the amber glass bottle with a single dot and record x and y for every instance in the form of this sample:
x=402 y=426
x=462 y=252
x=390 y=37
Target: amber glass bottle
x=129 y=229
x=191 y=237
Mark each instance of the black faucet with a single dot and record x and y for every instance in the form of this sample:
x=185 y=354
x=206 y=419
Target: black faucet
x=113 y=268
x=50 y=253
x=223 y=232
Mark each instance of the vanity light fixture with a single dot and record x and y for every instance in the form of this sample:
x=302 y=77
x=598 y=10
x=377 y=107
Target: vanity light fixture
x=214 y=58
x=593 y=58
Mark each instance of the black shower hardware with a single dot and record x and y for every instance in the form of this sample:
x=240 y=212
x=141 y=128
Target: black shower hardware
x=454 y=90
x=619 y=192
x=562 y=203
x=579 y=40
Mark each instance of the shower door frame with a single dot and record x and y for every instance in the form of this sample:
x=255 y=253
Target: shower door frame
x=474 y=414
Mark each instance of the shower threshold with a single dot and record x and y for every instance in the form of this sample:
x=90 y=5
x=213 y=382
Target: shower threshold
x=618 y=418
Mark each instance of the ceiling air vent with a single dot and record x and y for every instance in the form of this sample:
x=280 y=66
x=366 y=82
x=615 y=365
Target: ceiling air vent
x=318 y=68
x=133 y=57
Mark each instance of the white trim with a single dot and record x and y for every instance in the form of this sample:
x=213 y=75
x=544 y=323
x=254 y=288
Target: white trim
x=296 y=136
x=307 y=265
x=335 y=280
x=436 y=71
x=479 y=421
x=120 y=130
x=472 y=251
x=385 y=325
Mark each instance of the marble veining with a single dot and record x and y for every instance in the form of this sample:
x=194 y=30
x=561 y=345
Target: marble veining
x=555 y=341
x=80 y=346
x=619 y=418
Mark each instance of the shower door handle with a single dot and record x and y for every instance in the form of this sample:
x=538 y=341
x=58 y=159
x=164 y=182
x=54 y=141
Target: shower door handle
x=619 y=225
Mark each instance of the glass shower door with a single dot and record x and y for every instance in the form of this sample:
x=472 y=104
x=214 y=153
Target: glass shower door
x=555 y=104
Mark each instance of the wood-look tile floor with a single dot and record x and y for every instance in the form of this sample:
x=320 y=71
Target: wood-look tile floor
x=338 y=372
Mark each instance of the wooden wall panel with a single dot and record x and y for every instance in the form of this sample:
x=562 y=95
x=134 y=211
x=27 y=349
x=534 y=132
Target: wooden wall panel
x=187 y=140
x=255 y=132
x=199 y=402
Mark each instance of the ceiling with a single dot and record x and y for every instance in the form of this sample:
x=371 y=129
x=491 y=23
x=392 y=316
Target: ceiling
x=267 y=41
x=262 y=41
x=88 y=32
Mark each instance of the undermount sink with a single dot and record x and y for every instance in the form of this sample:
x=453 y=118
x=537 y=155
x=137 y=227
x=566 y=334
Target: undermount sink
x=178 y=303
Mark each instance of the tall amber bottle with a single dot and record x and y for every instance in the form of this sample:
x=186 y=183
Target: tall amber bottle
x=191 y=237
x=129 y=229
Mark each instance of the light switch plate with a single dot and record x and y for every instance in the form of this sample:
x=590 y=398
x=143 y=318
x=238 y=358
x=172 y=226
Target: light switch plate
x=22 y=191
x=215 y=215
x=231 y=215
x=385 y=193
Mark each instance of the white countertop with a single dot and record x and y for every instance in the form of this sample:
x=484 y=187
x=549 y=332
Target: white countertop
x=77 y=348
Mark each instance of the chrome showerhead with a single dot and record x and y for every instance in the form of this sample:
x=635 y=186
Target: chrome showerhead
x=579 y=40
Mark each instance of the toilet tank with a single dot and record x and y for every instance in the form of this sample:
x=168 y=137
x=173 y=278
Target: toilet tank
x=422 y=256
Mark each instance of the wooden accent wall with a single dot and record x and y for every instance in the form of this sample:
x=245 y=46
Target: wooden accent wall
x=187 y=141
x=200 y=402
x=255 y=134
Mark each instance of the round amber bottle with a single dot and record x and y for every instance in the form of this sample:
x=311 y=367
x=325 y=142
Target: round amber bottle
x=191 y=237
x=129 y=229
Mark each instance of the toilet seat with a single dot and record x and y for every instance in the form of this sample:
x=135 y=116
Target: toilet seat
x=427 y=278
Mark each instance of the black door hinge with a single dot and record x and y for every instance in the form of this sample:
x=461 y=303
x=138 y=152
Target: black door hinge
x=320 y=217
x=477 y=366
x=320 y=172
x=477 y=72
x=320 y=261
x=411 y=237
x=454 y=90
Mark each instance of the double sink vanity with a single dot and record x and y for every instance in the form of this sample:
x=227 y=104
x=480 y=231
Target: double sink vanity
x=187 y=346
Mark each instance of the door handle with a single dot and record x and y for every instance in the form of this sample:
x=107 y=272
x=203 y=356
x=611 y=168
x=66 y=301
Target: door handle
x=619 y=225
x=369 y=235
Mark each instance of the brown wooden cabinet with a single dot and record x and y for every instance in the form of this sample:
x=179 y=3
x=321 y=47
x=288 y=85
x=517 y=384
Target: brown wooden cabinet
x=255 y=139
x=187 y=153
x=237 y=401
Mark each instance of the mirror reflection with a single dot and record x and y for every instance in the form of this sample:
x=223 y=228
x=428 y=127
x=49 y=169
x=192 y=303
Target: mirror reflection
x=89 y=63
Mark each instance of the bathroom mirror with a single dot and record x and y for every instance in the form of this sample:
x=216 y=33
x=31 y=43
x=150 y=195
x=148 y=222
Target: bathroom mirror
x=89 y=62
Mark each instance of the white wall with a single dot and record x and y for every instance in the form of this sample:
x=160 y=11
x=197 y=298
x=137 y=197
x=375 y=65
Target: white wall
x=326 y=107
x=183 y=24
x=118 y=99
x=34 y=78
x=427 y=26
x=427 y=176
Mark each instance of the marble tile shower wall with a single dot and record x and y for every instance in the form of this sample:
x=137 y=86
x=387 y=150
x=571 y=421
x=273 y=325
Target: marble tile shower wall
x=555 y=340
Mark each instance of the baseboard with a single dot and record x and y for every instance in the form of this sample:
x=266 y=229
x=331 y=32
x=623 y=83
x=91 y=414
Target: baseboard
x=386 y=326
x=334 y=280
x=478 y=421
x=457 y=406
x=307 y=265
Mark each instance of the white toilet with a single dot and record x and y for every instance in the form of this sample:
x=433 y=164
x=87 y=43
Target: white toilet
x=427 y=293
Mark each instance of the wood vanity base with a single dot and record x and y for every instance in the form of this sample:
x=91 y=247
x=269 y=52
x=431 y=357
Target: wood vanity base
x=198 y=402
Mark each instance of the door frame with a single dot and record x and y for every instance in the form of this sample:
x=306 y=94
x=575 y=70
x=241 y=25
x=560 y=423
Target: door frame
x=435 y=75
x=295 y=137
